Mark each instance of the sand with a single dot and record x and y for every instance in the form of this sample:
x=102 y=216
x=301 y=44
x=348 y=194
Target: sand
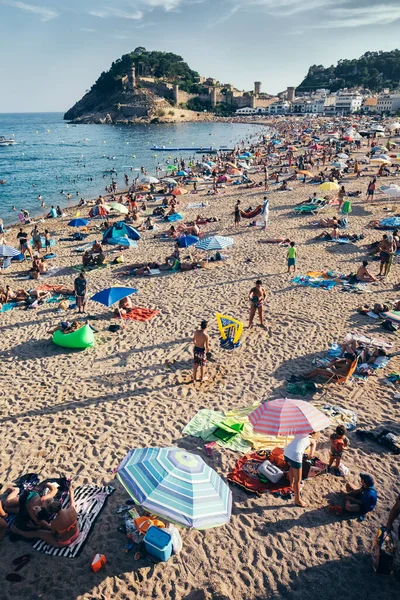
x=79 y=413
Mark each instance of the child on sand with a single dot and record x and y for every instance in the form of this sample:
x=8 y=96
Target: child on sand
x=291 y=257
x=339 y=443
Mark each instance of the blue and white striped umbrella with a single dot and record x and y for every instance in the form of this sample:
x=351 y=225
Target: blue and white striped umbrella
x=177 y=485
x=8 y=251
x=217 y=242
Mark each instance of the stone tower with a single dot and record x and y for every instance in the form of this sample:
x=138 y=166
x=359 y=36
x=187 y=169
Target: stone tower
x=257 y=88
x=214 y=97
x=291 y=94
x=132 y=78
x=176 y=94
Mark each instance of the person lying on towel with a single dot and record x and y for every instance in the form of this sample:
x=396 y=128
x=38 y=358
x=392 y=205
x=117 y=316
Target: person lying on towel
x=63 y=528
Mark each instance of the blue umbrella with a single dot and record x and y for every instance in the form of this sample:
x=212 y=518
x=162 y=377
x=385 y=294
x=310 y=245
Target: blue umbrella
x=178 y=485
x=187 y=240
x=123 y=241
x=110 y=296
x=8 y=251
x=78 y=223
x=218 y=242
x=181 y=173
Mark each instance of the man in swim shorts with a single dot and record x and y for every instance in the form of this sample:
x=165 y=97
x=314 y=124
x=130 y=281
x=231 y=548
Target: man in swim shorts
x=80 y=291
x=201 y=341
x=386 y=250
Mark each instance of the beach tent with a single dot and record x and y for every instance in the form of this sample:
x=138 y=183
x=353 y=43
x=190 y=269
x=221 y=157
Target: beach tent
x=120 y=229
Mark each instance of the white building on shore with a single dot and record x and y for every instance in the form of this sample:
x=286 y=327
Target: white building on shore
x=348 y=103
x=388 y=102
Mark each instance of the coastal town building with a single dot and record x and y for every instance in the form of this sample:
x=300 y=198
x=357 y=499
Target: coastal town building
x=347 y=103
x=388 y=102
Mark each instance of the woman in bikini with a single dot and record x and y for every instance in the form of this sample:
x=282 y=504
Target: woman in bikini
x=257 y=297
x=64 y=528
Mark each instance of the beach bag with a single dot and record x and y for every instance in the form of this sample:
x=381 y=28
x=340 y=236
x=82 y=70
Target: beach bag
x=383 y=549
x=144 y=523
x=277 y=458
x=63 y=305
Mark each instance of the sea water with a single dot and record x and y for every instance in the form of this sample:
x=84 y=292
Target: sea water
x=52 y=158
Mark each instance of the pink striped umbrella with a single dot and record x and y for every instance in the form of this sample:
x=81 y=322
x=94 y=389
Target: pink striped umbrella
x=288 y=417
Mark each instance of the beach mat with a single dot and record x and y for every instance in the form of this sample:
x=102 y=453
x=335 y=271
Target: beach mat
x=140 y=314
x=245 y=474
x=90 y=501
x=88 y=268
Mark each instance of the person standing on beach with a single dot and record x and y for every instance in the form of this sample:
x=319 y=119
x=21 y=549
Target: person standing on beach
x=80 y=287
x=371 y=189
x=201 y=342
x=257 y=297
x=265 y=212
x=291 y=257
x=237 y=213
x=294 y=452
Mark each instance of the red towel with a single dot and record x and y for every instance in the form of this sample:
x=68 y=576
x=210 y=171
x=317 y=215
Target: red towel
x=140 y=314
x=245 y=474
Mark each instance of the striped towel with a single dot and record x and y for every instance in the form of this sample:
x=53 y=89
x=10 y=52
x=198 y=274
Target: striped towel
x=89 y=501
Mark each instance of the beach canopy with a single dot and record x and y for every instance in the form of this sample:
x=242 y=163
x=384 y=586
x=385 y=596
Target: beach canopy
x=8 y=251
x=123 y=241
x=120 y=229
x=329 y=186
x=149 y=179
x=110 y=296
x=101 y=210
x=392 y=191
x=177 y=485
x=79 y=223
x=217 y=242
x=178 y=191
x=288 y=417
x=394 y=126
x=119 y=208
x=187 y=240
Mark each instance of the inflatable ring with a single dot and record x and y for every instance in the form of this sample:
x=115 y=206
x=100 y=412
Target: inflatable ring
x=80 y=339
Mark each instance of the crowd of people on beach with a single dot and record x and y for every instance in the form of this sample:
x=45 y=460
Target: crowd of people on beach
x=294 y=154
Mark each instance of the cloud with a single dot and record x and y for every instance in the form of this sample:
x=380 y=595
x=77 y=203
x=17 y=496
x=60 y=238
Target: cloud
x=165 y=4
x=381 y=14
x=111 y=12
x=45 y=14
x=88 y=30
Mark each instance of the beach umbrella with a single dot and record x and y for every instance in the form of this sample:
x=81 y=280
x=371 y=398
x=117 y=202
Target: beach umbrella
x=149 y=179
x=338 y=164
x=343 y=155
x=177 y=485
x=292 y=148
x=210 y=163
x=288 y=417
x=172 y=168
x=205 y=166
x=307 y=173
x=222 y=179
x=315 y=147
x=110 y=296
x=394 y=126
x=392 y=191
x=381 y=157
x=181 y=173
x=217 y=242
x=119 y=208
x=178 y=191
x=244 y=165
x=169 y=180
x=79 y=223
x=329 y=186
x=380 y=161
x=123 y=241
x=187 y=240
x=8 y=251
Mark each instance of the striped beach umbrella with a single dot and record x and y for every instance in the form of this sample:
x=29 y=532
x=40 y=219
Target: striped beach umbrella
x=217 y=242
x=288 y=417
x=8 y=251
x=177 y=485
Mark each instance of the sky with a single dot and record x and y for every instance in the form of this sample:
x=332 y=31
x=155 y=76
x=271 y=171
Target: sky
x=52 y=51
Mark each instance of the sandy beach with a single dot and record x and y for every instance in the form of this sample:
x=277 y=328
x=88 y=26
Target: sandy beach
x=79 y=413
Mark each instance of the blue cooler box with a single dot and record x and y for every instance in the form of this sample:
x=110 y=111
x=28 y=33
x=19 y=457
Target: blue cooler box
x=158 y=543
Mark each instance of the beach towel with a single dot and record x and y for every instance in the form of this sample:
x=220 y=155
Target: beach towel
x=245 y=474
x=196 y=205
x=316 y=282
x=89 y=268
x=175 y=217
x=339 y=415
x=7 y=307
x=139 y=314
x=60 y=289
x=89 y=501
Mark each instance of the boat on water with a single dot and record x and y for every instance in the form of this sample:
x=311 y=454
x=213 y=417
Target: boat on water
x=5 y=142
